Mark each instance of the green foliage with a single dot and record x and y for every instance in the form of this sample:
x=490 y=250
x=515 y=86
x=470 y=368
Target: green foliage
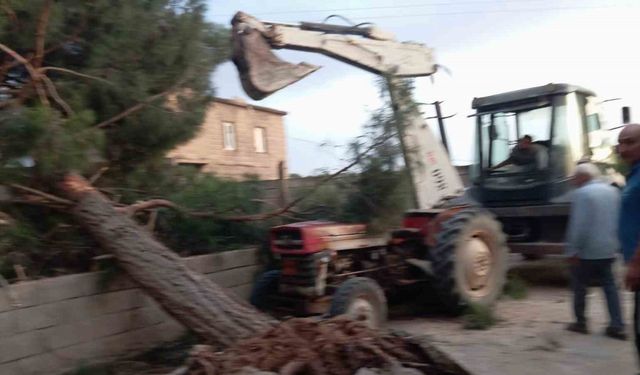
x=152 y=56
x=515 y=287
x=196 y=192
x=383 y=191
x=54 y=143
x=479 y=317
x=12 y=237
x=20 y=131
x=206 y=193
x=137 y=49
x=376 y=191
x=45 y=243
x=326 y=202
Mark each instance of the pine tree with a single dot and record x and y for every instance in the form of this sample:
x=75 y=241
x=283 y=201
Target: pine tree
x=88 y=86
x=134 y=52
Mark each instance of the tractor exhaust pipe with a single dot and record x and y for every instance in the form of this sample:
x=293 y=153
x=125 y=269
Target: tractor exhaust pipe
x=261 y=71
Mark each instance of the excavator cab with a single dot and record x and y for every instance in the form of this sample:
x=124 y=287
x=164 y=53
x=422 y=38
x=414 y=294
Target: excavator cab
x=529 y=141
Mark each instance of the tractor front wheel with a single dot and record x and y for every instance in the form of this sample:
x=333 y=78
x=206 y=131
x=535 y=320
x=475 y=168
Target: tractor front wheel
x=362 y=299
x=469 y=260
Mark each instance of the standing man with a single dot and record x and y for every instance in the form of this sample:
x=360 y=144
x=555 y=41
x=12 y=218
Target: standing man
x=592 y=245
x=629 y=232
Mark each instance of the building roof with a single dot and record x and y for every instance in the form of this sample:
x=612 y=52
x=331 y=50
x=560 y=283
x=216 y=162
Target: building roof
x=243 y=104
x=529 y=93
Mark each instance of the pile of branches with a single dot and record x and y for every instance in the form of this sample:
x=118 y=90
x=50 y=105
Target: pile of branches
x=304 y=346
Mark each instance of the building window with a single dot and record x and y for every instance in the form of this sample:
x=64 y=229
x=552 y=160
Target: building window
x=229 y=135
x=260 y=139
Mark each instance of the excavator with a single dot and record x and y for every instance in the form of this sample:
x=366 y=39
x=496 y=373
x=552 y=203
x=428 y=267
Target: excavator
x=456 y=239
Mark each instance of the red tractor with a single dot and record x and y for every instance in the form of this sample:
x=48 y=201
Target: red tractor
x=335 y=268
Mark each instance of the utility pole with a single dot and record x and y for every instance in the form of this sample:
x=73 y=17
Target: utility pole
x=626 y=115
x=440 y=118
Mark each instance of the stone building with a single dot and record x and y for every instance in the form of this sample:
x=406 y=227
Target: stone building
x=236 y=139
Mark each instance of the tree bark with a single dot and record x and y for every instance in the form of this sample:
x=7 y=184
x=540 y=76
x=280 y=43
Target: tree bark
x=216 y=315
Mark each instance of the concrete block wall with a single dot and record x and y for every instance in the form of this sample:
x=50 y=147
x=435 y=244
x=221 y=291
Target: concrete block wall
x=54 y=325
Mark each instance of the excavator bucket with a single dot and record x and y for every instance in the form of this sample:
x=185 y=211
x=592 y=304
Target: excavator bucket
x=261 y=71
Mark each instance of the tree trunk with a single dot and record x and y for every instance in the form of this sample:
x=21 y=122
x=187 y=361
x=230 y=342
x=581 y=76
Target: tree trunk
x=217 y=316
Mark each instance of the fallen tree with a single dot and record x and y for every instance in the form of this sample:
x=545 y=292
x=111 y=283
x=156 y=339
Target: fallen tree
x=214 y=314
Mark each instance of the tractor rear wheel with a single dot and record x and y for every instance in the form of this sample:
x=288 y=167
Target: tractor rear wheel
x=469 y=260
x=362 y=299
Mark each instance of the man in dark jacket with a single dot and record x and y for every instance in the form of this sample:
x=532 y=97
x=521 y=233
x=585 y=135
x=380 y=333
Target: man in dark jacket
x=629 y=226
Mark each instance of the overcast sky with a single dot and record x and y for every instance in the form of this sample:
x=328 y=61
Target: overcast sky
x=489 y=46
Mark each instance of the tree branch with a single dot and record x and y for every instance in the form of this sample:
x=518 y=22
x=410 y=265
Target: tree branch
x=137 y=107
x=48 y=196
x=35 y=76
x=97 y=175
x=63 y=70
x=153 y=203
x=54 y=94
x=41 y=32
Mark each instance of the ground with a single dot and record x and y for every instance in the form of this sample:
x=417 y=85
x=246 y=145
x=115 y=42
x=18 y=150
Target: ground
x=530 y=337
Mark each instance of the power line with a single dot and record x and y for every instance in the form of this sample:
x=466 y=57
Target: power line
x=323 y=146
x=405 y=6
x=520 y=10
x=525 y=10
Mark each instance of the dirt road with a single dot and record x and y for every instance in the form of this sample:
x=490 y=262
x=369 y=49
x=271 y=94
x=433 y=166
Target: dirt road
x=530 y=336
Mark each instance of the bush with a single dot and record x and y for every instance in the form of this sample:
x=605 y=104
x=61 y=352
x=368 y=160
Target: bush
x=479 y=317
x=48 y=243
x=515 y=287
x=207 y=193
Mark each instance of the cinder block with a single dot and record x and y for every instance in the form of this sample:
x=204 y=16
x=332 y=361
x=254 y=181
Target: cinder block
x=84 y=308
x=135 y=341
x=84 y=331
x=46 y=363
x=66 y=287
x=104 y=326
x=236 y=276
x=222 y=261
x=27 y=293
x=21 y=346
x=12 y=368
x=28 y=319
x=32 y=293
